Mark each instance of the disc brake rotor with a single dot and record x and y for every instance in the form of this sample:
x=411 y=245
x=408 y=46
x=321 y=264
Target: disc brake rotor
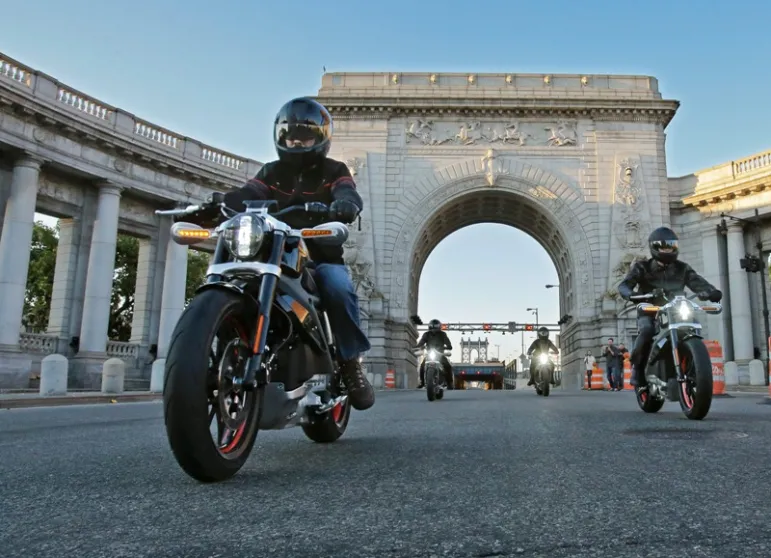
x=231 y=396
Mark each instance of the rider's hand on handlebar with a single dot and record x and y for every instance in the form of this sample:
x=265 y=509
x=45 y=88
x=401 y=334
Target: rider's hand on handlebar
x=658 y=293
x=712 y=296
x=344 y=211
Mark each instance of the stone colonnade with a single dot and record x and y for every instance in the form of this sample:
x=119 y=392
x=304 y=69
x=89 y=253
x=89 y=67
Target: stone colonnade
x=85 y=264
x=722 y=252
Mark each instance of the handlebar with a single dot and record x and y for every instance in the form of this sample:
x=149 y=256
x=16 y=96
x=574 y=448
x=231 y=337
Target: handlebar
x=314 y=208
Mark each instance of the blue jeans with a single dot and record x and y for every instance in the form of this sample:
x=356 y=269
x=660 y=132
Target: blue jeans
x=342 y=306
x=612 y=374
x=618 y=377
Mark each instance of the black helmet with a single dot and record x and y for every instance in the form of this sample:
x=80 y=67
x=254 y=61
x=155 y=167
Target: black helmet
x=434 y=325
x=543 y=333
x=663 y=244
x=307 y=125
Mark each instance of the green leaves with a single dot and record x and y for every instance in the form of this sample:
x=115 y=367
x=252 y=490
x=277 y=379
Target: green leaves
x=40 y=280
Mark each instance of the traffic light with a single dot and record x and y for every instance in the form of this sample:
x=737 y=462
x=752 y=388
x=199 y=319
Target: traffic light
x=444 y=327
x=529 y=327
x=486 y=327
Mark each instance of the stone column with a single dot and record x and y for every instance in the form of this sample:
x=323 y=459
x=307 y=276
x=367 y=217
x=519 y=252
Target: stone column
x=174 y=282
x=67 y=254
x=738 y=282
x=101 y=269
x=144 y=291
x=710 y=249
x=15 y=246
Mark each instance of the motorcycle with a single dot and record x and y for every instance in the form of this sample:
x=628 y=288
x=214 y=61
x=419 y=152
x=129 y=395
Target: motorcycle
x=678 y=360
x=254 y=349
x=544 y=368
x=436 y=382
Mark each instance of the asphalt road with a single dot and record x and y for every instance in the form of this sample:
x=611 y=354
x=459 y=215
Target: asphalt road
x=478 y=474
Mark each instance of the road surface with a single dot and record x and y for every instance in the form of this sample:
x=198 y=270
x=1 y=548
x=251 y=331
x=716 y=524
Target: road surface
x=574 y=475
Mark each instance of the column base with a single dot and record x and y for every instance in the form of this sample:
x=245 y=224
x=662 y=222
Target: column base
x=86 y=371
x=15 y=367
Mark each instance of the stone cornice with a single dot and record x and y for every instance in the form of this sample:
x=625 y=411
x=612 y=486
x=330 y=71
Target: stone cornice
x=627 y=110
x=728 y=192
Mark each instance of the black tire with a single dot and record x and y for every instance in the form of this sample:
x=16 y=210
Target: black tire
x=430 y=383
x=546 y=389
x=440 y=395
x=696 y=392
x=330 y=426
x=647 y=403
x=187 y=385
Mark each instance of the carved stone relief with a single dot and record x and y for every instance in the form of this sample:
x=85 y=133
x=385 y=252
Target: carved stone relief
x=629 y=206
x=355 y=165
x=493 y=167
x=427 y=132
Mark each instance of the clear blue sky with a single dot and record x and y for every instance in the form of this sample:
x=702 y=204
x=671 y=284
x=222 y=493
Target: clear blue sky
x=218 y=71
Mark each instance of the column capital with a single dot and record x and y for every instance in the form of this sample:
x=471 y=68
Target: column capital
x=30 y=160
x=107 y=187
x=735 y=226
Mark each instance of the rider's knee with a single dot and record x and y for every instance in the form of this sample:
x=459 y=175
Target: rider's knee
x=334 y=281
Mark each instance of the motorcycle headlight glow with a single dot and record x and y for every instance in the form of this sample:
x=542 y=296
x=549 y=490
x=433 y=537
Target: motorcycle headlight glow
x=543 y=358
x=431 y=355
x=685 y=311
x=243 y=236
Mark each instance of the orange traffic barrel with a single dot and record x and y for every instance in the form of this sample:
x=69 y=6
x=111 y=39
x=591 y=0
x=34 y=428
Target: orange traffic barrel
x=627 y=373
x=718 y=372
x=390 y=380
x=598 y=378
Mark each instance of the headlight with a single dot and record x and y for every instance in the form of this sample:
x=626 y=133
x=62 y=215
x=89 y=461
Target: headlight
x=684 y=311
x=431 y=355
x=243 y=236
x=543 y=358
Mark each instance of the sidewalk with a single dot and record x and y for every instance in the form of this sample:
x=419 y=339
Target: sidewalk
x=19 y=400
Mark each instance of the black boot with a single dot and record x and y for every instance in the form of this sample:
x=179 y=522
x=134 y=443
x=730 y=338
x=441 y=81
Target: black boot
x=422 y=383
x=360 y=391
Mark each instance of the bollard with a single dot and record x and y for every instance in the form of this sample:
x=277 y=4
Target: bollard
x=757 y=373
x=113 y=375
x=53 y=375
x=158 y=375
x=731 y=374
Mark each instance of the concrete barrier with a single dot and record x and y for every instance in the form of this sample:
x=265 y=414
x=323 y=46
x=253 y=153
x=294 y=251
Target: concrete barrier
x=158 y=375
x=757 y=373
x=113 y=376
x=53 y=375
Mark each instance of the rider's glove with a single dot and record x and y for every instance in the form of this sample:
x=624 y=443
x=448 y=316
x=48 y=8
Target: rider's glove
x=712 y=296
x=658 y=292
x=343 y=210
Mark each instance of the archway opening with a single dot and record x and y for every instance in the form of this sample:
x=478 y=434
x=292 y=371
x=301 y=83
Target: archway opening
x=491 y=257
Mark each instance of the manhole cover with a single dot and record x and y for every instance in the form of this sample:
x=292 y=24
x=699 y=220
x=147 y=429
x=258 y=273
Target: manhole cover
x=682 y=434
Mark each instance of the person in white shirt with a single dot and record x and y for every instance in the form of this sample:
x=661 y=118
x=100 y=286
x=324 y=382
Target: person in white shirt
x=589 y=362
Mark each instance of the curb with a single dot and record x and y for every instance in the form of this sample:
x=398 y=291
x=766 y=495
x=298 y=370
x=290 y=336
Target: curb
x=24 y=402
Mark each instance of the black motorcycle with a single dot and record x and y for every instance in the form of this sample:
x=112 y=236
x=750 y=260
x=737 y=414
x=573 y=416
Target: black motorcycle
x=544 y=373
x=254 y=349
x=679 y=365
x=435 y=377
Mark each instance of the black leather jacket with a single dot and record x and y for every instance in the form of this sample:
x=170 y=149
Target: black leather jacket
x=542 y=346
x=326 y=182
x=436 y=340
x=648 y=275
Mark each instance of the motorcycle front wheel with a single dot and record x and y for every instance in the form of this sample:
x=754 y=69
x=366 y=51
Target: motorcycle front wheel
x=696 y=390
x=430 y=383
x=206 y=359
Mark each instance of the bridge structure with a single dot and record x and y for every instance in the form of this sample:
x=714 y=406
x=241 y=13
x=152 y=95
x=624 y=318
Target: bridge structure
x=576 y=161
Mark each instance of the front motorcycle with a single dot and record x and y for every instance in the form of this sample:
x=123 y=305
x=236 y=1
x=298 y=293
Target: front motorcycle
x=678 y=359
x=435 y=379
x=254 y=349
x=543 y=374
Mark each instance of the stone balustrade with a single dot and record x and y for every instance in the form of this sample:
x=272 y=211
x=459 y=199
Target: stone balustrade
x=40 y=343
x=47 y=90
x=761 y=161
x=122 y=350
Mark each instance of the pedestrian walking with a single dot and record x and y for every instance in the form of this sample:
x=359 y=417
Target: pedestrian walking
x=589 y=362
x=613 y=366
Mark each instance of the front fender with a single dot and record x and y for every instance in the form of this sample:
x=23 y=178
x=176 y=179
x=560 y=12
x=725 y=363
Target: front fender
x=230 y=287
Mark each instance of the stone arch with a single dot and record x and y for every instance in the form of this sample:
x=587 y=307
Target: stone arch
x=540 y=203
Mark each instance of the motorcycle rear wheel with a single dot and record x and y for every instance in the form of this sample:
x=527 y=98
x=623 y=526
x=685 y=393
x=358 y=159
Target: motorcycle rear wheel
x=648 y=403
x=194 y=372
x=696 y=391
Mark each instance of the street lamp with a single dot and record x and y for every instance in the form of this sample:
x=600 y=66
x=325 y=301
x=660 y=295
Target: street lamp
x=534 y=311
x=552 y=286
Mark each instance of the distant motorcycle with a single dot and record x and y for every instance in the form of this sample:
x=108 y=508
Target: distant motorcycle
x=678 y=360
x=436 y=382
x=544 y=369
x=254 y=349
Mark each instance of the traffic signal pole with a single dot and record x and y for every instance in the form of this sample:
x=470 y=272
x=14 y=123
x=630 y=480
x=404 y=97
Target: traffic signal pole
x=510 y=327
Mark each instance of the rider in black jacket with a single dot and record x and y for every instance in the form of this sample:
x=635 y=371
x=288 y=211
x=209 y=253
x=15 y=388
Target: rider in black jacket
x=664 y=276
x=542 y=344
x=437 y=340
x=304 y=173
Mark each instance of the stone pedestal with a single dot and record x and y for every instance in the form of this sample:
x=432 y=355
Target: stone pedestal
x=15 y=367
x=757 y=373
x=86 y=371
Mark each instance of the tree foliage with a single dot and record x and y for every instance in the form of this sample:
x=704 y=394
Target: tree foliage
x=40 y=281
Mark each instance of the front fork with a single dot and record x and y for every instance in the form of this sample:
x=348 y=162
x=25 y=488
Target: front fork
x=674 y=339
x=257 y=374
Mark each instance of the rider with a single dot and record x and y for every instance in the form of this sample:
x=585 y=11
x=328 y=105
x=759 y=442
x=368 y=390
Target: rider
x=303 y=174
x=437 y=340
x=542 y=344
x=661 y=275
